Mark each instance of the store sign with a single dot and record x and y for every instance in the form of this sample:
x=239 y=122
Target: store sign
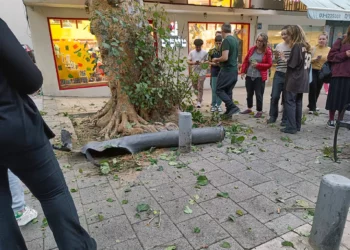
x=328 y=15
x=175 y=42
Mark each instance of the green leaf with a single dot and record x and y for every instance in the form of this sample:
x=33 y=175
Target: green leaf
x=80 y=170
x=187 y=210
x=106 y=45
x=232 y=218
x=202 y=180
x=173 y=163
x=138 y=169
x=140 y=58
x=223 y=195
x=67 y=166
x=287 y=244
x=124 y=202
x=171 y=248
x=160 y=168
x=44 y=223
x=197 y=230
x=138 y=216
x=127 y=190
x=100 y=217
x=110 y=200
x=35 y=221
x=290 y=228
x=225 y=244
x=219 y=145
x=142 y=207
x=114 y=19
x=115 y=177
x=239 y=212
x=73 y=190
x=254 y=138
x=286 y=139
x=311 y=212
x=104 y=168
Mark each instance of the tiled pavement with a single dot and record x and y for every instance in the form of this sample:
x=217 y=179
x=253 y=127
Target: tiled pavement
x=270 y=169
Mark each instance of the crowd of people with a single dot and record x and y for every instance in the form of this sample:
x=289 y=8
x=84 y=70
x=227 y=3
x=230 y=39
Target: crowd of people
x=298 y=68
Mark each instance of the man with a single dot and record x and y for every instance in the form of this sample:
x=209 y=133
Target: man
x=228 y=75
x=195 y=58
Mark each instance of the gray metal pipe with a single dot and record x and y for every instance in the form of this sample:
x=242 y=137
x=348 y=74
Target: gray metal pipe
x=137 y=143
x=332 y=208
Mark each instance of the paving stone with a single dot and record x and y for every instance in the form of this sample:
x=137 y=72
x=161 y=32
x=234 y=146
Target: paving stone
x=204 y=192
x=131 y=212
x=175 y=209
x=104 y=208
x=210 y=231
x=181 y=243
x=95 y=193
x=221 y=208
x=299 y=242
x=167 y=192
x=312 y=176
x=231 y=166
x=251 y=178
x=248 y=231
x=137 y=193
x=217 y=157
x=154 y=178
x=91 y=180
x=300 y=213
x=261 y=208
x=283 y=177
x=291 y=167
x=261 y=166
x=108 y=231
x=203 y=164
x=218 y=178
x=284 y=224
x=273 y=190
x=306 y=189
x=238 y=191
x=243 y=158
x=184 y=177
x=273 y=245
x=234 y=245
x=37 y=244
x=129 y=244
x=152 y=236
x=297 y=157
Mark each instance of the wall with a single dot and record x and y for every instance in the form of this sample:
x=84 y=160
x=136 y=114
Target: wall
x=13 y=13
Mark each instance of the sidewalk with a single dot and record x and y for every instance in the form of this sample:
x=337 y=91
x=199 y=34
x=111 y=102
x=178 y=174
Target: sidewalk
x=269 y=171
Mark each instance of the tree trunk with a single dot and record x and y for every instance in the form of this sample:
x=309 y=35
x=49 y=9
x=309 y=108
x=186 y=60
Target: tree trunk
x=118 y=116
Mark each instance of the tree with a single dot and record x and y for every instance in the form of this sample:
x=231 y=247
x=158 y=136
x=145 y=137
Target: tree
x=143 y=85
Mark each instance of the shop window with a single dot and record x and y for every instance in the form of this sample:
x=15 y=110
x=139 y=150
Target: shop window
x=76 y=53
x=222 y=3
x=206 y=32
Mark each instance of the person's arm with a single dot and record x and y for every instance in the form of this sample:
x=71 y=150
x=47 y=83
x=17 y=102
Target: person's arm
x=245 y=63
x=335 y=55
x=267 y=64
x=189 y=59
x=22 y=74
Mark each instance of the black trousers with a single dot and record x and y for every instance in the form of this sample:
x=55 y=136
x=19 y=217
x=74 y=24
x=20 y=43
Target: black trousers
x=314 y=90
x=256 y=86
x=225 y=83
x=293 y=110
x=40 y=171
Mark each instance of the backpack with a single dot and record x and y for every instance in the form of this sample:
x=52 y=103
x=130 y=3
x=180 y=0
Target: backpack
x=326 y=72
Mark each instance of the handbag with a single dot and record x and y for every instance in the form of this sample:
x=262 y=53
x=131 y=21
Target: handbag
x=325 y=73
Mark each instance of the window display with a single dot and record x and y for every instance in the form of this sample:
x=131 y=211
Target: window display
x=222 y=3
x=77 y=55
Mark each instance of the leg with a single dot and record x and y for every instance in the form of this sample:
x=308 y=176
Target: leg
x=290 y=110
x=299 y=110
x=10 y=235
x=40 y=171
x=249 y=86
x=215 y=96
x=213 y=90
x=318 y=88
x=17 y=192
x=259 y=93
x=225 y=84
x=201 y=80
x=277 y=89
x=313 y=91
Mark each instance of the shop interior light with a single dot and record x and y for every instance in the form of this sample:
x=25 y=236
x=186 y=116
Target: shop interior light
x=66 y=24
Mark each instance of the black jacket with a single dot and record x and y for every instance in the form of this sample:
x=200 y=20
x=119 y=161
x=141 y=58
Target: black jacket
x=21 y=125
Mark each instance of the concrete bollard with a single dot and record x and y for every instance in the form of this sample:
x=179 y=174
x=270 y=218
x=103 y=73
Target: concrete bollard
x=185 y=132
x=332 y=208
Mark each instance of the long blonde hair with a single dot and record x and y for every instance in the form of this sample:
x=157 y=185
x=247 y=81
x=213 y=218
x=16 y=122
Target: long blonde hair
x=298 y=36
x=347 y=37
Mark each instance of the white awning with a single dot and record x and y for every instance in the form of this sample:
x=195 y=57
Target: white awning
x=338 y=10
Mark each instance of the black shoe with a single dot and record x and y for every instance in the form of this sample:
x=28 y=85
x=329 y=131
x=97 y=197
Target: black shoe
x=288 y=131
x=271 y=120
x=331 y=124
x=283 y=124
x=233 y=111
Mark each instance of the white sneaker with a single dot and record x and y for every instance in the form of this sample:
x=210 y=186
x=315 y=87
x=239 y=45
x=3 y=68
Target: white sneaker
x=219 y=109
x=213 y=109
x=23 y=218
x=199 y=104
x=317 y=109
x=310 y=112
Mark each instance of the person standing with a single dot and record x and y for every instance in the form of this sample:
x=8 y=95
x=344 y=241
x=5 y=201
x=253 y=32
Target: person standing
x=215 y=69
x=281 y=55
x=339 y=87
x=27 y=152
x=195 y=58
x=228 y=74
x=297 y=78
x=319 y=57
x=255 y=67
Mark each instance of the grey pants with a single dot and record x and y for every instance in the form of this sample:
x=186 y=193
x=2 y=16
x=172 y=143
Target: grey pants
x=293 y=110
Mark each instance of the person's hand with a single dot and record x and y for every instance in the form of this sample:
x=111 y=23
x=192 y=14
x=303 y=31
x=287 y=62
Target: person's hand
x=348 y=53
x=282 y=55
x=242 y=76
x=216 y=60
x=254 y=63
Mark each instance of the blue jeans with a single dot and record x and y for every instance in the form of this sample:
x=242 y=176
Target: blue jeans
x=17 y=193
x=277 y=88
x=215 y=100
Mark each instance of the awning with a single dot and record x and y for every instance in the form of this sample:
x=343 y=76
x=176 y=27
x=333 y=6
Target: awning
x=338 y=10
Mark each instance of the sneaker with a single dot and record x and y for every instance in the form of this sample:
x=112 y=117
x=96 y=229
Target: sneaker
x=219 y=109
x=271 y=120
x=233 y=111
x=310 y=112
x=288 y=131
x=331 y=124
x=258 y=114
x=213 y=109
x=283 y=124
x=198 y=105
x=247 y=111
x=317 y=109
x=26 y=216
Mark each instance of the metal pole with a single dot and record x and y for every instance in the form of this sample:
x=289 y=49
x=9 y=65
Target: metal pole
x=185 y=132
x=332 y=208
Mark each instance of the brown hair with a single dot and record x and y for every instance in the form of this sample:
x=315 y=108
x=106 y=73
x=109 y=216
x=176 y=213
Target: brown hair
x=324 y=34
x=347 y=37
x=298 y=36
x=226 y=28
x=265 y=40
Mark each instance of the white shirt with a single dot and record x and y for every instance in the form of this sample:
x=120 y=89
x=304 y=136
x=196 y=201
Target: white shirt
x=200 y=56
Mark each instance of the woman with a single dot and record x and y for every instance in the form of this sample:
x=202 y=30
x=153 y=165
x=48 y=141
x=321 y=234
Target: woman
x=26 y=151
x=319 y=57
x=339 y=87
x=256 y=65
x=297 y=78
x=215 y=69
